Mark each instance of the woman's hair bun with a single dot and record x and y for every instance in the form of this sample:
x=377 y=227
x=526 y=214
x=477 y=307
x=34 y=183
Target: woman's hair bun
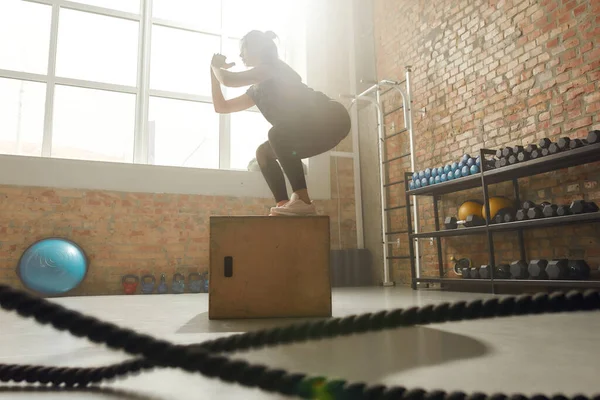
x=271 y=35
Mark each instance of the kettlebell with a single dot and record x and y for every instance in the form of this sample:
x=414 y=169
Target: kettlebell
x=196 y=284
x=205 y=277
x=162 y=286
x=148 y=287
x=130 y=283
x=178 y=285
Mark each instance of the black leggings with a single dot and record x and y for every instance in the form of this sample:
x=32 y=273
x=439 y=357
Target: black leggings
x=315 y=134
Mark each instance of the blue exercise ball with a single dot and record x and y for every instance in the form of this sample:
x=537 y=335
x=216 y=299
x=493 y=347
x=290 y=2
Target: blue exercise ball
x=421 y=174
x=465 y=157
x=428 y=173
x=434 y=172
x=447 y=168
x=424 y=182
x=450 y=175
x=474 y=169
x=478 y=161
x=470 y=162
x=411 y=185
x=438 y=179
x=441 y=171
x=415 y=176
x=465 y=171
x=453 y=166
x=417 y=183
x=461 y=165
x=431 y=180
x=52 y=266
x=457 y=174
x=444 y=177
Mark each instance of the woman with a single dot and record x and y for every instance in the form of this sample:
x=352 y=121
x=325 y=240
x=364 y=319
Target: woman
x=305 y=122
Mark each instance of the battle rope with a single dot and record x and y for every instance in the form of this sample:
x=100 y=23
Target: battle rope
x=207 y=359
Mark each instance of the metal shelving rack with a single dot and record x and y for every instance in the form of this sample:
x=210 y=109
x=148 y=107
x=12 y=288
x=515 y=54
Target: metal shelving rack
x=483 y=179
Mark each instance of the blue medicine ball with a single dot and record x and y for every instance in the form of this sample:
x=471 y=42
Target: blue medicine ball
x=450 y=175
x=424 y=182
x=438 y=179
x=52 y=266
x=460 y=165
x=421 y=174
x=447 y=168
x=428 y=173
x=474 y=169
x=417 y=183
x=470 y=162
x=478 y=161
x=444 y=177
x=415 y=176
x=434 y=172
x=454 y=166
x=440 y=171
x=411 y=185
x=465 y=171
x=465 y=157
x=431 y=180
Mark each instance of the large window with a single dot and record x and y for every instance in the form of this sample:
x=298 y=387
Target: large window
x=128 y=80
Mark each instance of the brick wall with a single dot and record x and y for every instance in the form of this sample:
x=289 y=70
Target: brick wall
x=489 y=74
x=139 y=233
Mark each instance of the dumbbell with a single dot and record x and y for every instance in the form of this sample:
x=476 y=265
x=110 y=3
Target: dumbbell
x=502 y=271
x=518 y=270
x=550 y=210
x=499 y=153
x=593 y=137
x=485 y=272
x=527 y=204
x=536 y=212
x=465 y=272
x=530 y=148
x=544 y=143
x=582 y=206
x=579 y=270
x=537 y=269
x=558 y=269
x=561 y=211
x=513 y=159
x=507 y=152
x=564 y=143
x=577 y=143
x=545 y=152
x=473 y=273
x=500 y=216
x=498 y=163
x=554 y=148
x=523 y=156
x=537 y=153
x=521 y=215
x=472 y=220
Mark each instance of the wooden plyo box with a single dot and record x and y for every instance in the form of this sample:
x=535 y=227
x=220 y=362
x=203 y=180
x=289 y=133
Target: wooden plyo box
x=269 y=267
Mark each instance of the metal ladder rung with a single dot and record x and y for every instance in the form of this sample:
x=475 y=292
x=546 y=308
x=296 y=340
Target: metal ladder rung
x=395 y=208
x=385 y=114
x=393 y=183
x=396 y=232
x=396 y=158
x=395 y=134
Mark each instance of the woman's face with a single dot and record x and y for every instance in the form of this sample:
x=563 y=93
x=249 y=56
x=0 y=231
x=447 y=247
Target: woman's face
x=248 y=55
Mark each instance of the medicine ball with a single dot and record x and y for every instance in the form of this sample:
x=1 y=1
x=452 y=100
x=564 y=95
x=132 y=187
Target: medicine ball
x=469 y=207
x=497 y=204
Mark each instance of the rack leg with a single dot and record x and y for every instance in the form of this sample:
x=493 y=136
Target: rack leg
x=438 y=240
x=411 y=240
x=519 y=231
x=488 y=219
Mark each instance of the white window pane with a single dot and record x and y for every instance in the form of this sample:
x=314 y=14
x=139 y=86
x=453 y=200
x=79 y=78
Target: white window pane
x=132 y=6
x=204 y=15
x=93 y=124
x=242 y=16
x=180 y=60
x=22 y=117
x=186 y=133
x=24 y=36
x=248 y=131
x=231 y=49
x=97 y=48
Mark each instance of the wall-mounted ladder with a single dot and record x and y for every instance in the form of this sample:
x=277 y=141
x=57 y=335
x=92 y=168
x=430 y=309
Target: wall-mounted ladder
x=387 y=86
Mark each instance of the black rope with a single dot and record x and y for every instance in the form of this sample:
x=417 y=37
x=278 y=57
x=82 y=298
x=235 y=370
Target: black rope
x=208 y=358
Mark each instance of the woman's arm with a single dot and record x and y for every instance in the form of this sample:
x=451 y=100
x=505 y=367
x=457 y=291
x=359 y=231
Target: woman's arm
x=243 y=78
x=223 y=106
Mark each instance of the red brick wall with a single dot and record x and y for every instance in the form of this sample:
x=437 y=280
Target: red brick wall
x=138 y=233
x=489 y=74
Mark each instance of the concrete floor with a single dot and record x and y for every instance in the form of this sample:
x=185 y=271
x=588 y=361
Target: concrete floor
x=541 y=354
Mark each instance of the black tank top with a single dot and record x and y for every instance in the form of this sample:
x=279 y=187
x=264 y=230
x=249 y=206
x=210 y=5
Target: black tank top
x=284 y=98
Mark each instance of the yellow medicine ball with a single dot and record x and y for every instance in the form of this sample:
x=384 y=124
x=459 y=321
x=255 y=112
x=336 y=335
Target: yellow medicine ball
x=469 y=207
x=497 y=204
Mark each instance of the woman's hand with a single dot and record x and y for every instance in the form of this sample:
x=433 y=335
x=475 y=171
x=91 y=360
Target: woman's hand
x=220 y=61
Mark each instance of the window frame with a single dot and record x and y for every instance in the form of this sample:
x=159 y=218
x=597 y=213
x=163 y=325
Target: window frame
x=142 y=90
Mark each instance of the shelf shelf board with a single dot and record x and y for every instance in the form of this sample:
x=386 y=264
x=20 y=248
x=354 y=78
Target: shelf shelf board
x=512 y=226
x=566 y=159
x=512 y=282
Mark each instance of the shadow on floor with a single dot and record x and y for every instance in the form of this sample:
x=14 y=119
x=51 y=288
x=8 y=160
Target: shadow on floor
x=98 y=392
x=366 y=357
x=371 y=357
